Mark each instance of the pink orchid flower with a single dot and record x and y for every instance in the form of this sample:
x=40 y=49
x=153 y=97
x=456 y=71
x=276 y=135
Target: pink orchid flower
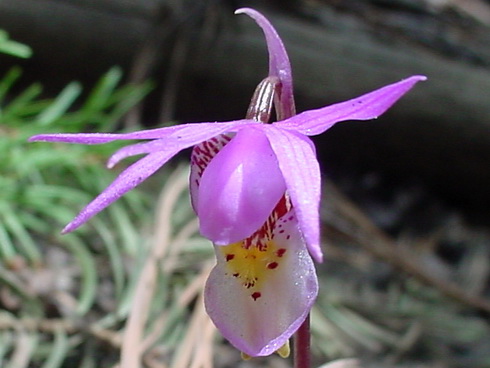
x=256 y=190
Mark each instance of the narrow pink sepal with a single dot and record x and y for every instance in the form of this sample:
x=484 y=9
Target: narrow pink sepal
x=279 y=65
x=365 y=107
x=239 y=188
x=176 y=132
x=299 y=166
x=178 y=139
x=127 y=180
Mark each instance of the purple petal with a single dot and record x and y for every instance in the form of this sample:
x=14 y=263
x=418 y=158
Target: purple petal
x=279 y=65
x=365 y=107
x=239 y=188
x=259 y=319
x=127 y=180
x=156 y=145
x=299 y=166
x=189 y=135
x=176 y=132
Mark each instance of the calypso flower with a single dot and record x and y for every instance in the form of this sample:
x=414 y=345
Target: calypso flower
x=256 y=190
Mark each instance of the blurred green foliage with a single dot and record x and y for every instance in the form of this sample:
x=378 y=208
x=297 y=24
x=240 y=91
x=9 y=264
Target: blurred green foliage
x=43 y=186
x=13 y=48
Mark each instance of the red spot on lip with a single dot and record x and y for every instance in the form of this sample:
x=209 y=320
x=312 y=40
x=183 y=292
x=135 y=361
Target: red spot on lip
x=272 y=265
x=256 y=295
x=280 y=252
x=229 y=257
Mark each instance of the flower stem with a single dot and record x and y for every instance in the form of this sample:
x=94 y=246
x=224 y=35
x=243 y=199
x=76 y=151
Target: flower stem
x=302 y=358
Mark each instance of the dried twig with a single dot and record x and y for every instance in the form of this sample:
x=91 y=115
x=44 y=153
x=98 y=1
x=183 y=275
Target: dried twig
x=51 y=325
x=195 y=351
x=343 y=215
x=132 y=344
x=343 y=363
